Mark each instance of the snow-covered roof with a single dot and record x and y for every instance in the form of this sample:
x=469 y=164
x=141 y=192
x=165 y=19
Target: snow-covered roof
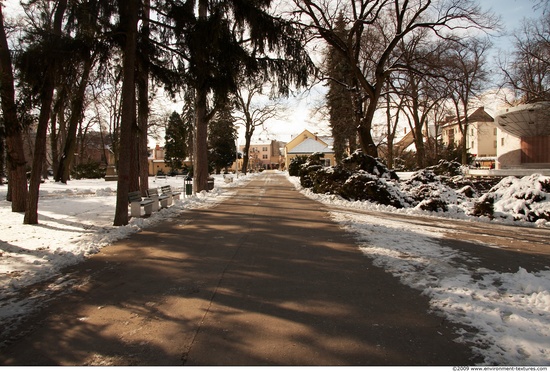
x=310 y=146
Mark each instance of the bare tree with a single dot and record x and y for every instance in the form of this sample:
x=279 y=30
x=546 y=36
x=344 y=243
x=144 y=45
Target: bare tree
x=252 y=114
x=394 y=107
x=422 y=86
x=391 y=21
x=528 y=72
x=77 y=112
x=466 y=72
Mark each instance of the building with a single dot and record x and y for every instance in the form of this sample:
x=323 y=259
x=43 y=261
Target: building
x=156 y=161
x=264 y=154
x=481 y=137
x=157 y=165
x=307 y=143
x=524 y=136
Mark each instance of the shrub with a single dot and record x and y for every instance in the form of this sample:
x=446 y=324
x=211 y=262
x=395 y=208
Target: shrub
x=446 y=168
x=295 y=165
x=361 y=162
x=365 y=186
x=88 y=170
x=484 y=207
x=330 y=180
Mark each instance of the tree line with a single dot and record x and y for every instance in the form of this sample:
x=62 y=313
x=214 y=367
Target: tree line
x=68 y=62
x=66 y=50
x=420 y=67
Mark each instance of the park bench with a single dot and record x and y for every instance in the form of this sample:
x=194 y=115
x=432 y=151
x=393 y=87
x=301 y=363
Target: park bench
x=167 y=190
x=136 y=202
x=159 y=201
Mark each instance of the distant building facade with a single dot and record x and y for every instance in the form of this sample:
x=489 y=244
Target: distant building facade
x=264 y=154
x=307 y=143
x=524 y=136
x=481 y=136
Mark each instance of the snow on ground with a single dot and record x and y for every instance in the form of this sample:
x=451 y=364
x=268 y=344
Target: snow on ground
x=75 y=220
x=511 y=311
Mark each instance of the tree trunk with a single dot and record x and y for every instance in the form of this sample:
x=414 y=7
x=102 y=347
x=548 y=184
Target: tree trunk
x=246 y=151
x=365 y=133
x=143 y=102
x=17 y=179
x=129 y=13
x=200 y=166
x=31 y=214
x=364 y=122
x=419 y=143
x=143 y=155
x=391 y=132
x=77 y=107
x=464 y=143
x=54 y=134
x=46 y=98
x=134 y=159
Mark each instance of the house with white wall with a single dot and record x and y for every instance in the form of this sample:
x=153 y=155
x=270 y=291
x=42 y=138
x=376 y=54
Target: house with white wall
x=307 y=143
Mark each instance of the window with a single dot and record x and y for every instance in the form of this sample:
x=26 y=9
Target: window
x=472 y=146
x=502 y=141
x=264 y=156
x=495 y=131
x=264 y=148
x=495 y=144
x=472 y=132
x=327 y=162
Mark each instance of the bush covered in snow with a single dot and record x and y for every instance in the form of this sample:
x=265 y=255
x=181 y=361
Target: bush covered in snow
x=308 y=170
x=526 y=199
x=362 y=162
x=440 y=188
x=362 y=185
x=446 y=168
x=295 y=165
x=361 y=177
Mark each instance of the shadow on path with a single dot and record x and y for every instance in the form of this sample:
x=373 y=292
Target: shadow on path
x=264 y=278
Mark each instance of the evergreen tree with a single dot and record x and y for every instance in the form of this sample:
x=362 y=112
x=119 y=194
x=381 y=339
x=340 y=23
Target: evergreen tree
x=175 y=148
x=218 y=41
x=221 y=140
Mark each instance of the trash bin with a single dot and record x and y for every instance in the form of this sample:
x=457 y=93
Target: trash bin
x=210 y=183
x=188 y=185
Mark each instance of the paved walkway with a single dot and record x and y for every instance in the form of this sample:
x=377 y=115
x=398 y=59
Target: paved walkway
x=264 y=278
